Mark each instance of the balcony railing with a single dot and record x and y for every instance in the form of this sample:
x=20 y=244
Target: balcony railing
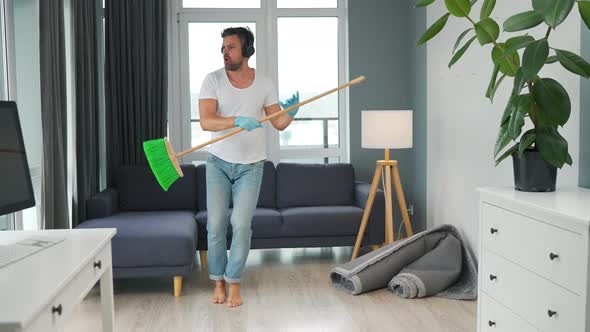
x=325 y=138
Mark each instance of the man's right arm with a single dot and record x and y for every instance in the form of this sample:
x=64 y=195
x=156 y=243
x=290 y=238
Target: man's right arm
x=210 y=121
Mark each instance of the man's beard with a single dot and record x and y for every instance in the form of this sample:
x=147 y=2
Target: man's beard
x=231 y=66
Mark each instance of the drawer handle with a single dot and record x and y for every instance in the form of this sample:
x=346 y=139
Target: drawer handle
x=57 y=310
x=553 y=256
x=491 y=324
x=551 y=313
x=493 y=230
x=97 y=264
x=493 y=277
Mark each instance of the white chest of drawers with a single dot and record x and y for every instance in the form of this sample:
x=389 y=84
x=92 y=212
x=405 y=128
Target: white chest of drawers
x=534 y=260
x=40 y=292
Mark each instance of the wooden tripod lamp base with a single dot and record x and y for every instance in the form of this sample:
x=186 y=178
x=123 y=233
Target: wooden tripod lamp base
x=389 y=167
x=386 y=129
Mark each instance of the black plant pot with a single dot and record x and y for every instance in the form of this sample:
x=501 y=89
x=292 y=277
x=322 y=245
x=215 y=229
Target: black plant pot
x=532 y=173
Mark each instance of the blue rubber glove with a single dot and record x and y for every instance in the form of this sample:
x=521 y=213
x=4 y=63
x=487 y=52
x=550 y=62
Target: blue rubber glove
x=247 y=123
x=290 y=102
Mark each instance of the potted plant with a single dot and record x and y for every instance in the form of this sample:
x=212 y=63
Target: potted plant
x=539 y=152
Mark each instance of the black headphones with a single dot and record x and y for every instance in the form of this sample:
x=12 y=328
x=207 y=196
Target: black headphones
x=247 y=42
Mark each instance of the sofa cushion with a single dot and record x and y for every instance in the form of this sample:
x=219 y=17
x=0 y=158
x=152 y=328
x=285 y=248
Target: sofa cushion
x=266 y=198
x=266 y=223
x=158 y=238
x=314 y=185
x=321 y=221
x=139 y=190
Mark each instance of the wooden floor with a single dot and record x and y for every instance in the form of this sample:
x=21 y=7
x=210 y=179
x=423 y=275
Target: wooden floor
x=283 y=290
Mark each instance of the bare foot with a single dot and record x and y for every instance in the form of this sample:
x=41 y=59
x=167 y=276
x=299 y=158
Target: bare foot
x=234 y=299
x=219 y=292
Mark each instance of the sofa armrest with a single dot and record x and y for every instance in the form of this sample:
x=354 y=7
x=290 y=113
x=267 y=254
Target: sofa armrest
x=375 y=231
x=103 y=204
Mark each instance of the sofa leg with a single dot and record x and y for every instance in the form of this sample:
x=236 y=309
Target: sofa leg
x=177 y=285
x=203 y=256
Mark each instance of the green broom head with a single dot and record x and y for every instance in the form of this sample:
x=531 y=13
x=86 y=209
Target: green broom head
x=162 y=161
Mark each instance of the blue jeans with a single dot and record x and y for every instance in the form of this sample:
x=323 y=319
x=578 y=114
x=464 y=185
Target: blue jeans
x=241 y=182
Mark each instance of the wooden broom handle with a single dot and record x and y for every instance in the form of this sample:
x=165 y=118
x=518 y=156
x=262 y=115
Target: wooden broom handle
x=231 y=133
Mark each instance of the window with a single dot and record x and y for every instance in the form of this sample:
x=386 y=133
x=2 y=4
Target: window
x=317 y=124
x=221 y=3
x=307 y=3
x=300 y=45
x=205 y=36
x=25 y=29
x=4 y=223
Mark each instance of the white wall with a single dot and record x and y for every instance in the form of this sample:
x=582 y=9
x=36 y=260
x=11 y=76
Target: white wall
x=462 y=124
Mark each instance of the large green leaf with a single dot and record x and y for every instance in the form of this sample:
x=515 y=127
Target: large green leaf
x=539 y=115
x=516 y=43
x=522 y=107
x=461 y=51
x=492 y=81
x=527 y=139
x=551 y=145
x=551 y=59
x=519 y=82
x=502 y=140
x=434 y=29
x=584 y=8
x=509 y=64
x=554 y=11
x=573 y=62
x=512 y=103
x=519 y=42
x=507 y=154
x=459 y=8
x=553 y=101
x=424 y=3
x=523 y=21
x=495 y=88
x=460 y=38
x=487 y=8
x=487 y=31
x=534 y=58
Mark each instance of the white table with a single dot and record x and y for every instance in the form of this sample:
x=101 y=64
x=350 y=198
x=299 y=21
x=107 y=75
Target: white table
x=38 y=292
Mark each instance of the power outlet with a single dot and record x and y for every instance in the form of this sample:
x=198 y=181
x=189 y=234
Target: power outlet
x=411 y=209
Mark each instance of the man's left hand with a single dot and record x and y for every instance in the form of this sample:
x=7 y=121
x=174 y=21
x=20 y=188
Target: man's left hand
x=290 y=102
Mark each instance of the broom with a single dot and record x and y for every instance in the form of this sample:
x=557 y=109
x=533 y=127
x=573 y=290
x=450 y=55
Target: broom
x=164 y=162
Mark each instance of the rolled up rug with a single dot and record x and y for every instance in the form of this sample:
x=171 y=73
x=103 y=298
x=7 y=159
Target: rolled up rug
x=432 y=273
x=377 y=269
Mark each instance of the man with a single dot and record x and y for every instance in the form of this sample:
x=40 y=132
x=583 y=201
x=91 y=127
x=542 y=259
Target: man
x=235 y=96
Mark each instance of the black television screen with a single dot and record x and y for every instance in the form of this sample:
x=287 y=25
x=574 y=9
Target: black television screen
x=16 y=190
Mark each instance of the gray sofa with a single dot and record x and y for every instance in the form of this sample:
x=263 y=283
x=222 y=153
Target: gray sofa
x=299 y=205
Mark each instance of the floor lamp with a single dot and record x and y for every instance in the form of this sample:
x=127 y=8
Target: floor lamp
x=386 y=130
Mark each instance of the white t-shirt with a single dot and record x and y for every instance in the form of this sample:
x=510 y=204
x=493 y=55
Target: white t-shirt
x=248 y=146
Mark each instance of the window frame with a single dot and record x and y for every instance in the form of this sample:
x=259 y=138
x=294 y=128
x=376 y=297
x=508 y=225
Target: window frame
x=265 y=17
x=7 y=30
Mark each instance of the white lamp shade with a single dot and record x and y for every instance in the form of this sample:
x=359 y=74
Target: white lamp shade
x=387 y=129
